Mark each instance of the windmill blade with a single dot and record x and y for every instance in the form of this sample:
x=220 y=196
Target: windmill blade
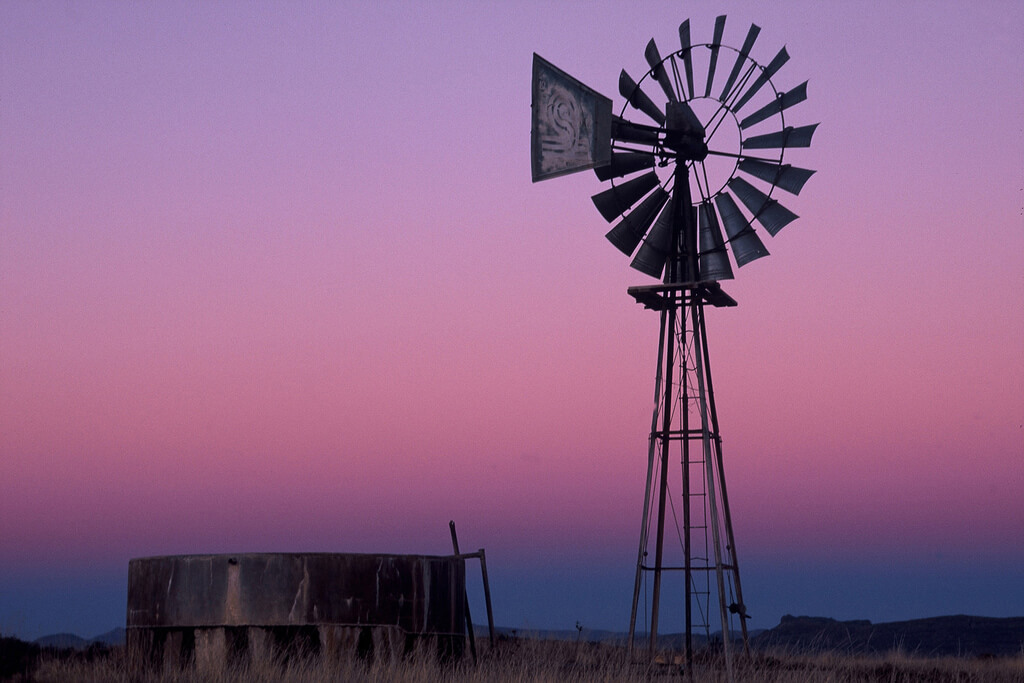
x=628 y=232
x=746 y=245
x=684 y=50
x=624 y=163
x=658 y=69
x=789 y=178
x=740 y=59
x=783 y=101
x=715 y=44
x=713 y=260
x=638 y=98
x=767 y=211
x=787 y=137
x=657 y=245
x=614 y=201
x=627 y=131
x=765 y=76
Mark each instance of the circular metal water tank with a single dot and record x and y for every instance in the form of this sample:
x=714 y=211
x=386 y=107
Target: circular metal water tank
x=213 y=608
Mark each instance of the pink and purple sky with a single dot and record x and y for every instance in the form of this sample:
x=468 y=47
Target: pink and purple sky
x=273 y=277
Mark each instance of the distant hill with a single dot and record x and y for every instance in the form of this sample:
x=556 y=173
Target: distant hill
x=62 y=640
x=71 y=641
x=112 y=637
x=958 y=635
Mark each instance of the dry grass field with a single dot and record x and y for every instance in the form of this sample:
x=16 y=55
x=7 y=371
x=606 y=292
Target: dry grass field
x=527 y=660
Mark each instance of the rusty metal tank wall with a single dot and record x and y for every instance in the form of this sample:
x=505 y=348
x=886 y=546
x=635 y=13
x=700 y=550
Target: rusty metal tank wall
x=212 y=608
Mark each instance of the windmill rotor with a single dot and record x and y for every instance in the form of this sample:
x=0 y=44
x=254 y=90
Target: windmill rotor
x=711 y=116
x=734 y=153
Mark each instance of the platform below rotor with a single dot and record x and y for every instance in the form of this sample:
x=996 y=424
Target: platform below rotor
x=662 y=297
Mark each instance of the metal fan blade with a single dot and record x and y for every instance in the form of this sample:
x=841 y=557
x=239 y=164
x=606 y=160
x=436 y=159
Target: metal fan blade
x=715 y=44
x=713 y=260
x=615 y=200
x=624 y=163
x=684 y=49
x=740 y=59
x=789 y=178
x=638 y=98
x=765 y=76
x=653 y=253
x=627 y=131
x=628 y=232
x=767 y=211
x=658 y=69
x=783 y=101
x=746 y=245
x=787 y=137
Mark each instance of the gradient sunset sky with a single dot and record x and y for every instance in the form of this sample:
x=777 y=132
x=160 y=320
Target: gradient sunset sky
x=274 y=277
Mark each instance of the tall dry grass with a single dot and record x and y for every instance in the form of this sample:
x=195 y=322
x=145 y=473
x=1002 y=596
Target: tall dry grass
x=528 y=660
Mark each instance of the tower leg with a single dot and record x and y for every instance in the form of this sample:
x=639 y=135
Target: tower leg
x=652 y=454
x=738 y=606
x=659 y=549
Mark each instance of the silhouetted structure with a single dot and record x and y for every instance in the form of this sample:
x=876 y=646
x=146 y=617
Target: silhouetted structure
x=674 y=182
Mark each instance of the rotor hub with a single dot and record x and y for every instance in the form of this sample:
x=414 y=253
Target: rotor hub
x=684 y=133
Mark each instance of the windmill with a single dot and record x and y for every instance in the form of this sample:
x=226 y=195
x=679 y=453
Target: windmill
x=711 y=154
